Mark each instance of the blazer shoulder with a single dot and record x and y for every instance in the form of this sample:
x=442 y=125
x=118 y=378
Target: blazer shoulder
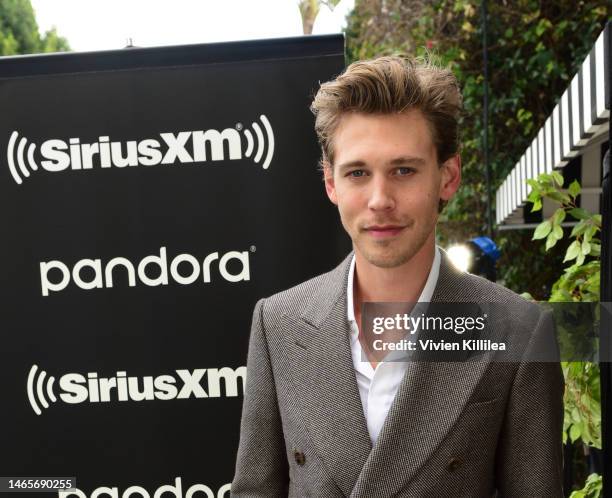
x=522 y=314
x=495 y=292
x=458 y=286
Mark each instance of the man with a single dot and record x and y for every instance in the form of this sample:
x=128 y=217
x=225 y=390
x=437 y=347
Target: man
x=318 y=420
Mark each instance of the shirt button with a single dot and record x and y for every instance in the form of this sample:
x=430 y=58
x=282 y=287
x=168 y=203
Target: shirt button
x=300 y=458
x=453 y=464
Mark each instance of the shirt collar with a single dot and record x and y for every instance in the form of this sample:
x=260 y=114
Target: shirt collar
x=425 y=296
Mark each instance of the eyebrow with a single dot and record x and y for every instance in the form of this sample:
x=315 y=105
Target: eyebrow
x=398 y=161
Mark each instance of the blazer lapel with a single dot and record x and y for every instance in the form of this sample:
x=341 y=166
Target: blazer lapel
x=427 y=404
x=323 y=374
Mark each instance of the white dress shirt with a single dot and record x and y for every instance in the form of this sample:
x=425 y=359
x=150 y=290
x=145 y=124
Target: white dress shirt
x=378 y=386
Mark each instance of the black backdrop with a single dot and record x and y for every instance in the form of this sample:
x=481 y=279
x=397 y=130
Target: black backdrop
x=274 y=225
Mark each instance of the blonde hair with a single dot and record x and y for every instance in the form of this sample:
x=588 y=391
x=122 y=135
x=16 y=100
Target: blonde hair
x=386 y=85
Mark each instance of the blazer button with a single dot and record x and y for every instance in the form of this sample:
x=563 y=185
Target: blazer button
x=453 y=464
x=300 y=458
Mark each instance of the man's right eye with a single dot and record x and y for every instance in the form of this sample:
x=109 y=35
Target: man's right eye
x=356 y=173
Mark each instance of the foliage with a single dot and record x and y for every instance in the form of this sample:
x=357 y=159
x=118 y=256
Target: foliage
x=309 y=10
x=592 y=488
x=582 y=418
x=580 y=282
x=534 y=49
x=528 y=266
x=19 y=31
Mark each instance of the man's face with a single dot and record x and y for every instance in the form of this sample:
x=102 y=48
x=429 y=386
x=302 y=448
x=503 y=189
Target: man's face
x=387 y=184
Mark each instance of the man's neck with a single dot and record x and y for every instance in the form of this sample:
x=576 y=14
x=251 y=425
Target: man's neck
x=400 y=284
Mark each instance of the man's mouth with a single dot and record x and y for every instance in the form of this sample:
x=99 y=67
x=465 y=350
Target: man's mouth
x=382 y=231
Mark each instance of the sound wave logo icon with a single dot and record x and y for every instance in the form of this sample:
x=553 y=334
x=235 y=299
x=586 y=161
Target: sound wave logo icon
x=20 y=157
x=55 y=155
x=260 y=141
x=38 y=396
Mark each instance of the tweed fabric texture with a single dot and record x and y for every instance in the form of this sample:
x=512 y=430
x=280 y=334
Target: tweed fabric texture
x=457 y=430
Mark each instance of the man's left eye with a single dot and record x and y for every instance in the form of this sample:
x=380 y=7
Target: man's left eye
x=404 y=171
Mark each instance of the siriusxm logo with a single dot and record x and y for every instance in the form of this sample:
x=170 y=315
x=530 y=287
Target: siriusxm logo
x=56 y=155
x=102 y=275
x=76 y=388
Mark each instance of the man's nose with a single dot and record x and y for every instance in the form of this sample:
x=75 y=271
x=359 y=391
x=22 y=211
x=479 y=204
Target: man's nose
x=381 y=195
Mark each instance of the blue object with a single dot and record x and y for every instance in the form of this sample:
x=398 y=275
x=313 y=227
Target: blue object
x=488 y=247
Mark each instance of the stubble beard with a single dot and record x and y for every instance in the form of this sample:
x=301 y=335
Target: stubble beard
x=389 y=253
x=396 y=252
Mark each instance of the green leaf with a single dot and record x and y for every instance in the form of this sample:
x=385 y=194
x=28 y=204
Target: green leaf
x=557 y=232
x=590 y=231
x=537 y=205
x=545 y=178
x=542 y=230
x=574 y=188
x=572 y=251
x=579 y=213
x=574 y=432
x=558 y=178
x=595 y=249
x=579 y=229
x=534 y=185
x=586 y=247
x=551 y=240
x=580 y=259
x=558 y=196
x=597 y=220
x=558 y=217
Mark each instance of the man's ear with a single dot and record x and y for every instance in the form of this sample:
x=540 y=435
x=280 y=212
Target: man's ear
x=451 y=177
x=328 y=178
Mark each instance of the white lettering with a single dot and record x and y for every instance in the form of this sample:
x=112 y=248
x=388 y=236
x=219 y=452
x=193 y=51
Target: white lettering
x=95 y=265
x=75 y=392
x=192 y=383
x=163 y=268
x=45 y=284
x=230 y=378
x=243 y=257
x=88 y=152
x=165 y=388
x=195 y=269
x=149 y=155
x=57 y=160
x=216 y=140
x=131 y=158
x=135 y=489
x=164 y=491
x=108 y=492
x=108 y=271
x=176 y=147
x=104 y=275
x=145 y=393
x=205 y=145
x=176 y=490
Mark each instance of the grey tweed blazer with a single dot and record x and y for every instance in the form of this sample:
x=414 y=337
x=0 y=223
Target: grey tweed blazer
x=454 y=430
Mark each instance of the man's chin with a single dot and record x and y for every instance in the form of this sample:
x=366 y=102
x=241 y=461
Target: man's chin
x=387 y=260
